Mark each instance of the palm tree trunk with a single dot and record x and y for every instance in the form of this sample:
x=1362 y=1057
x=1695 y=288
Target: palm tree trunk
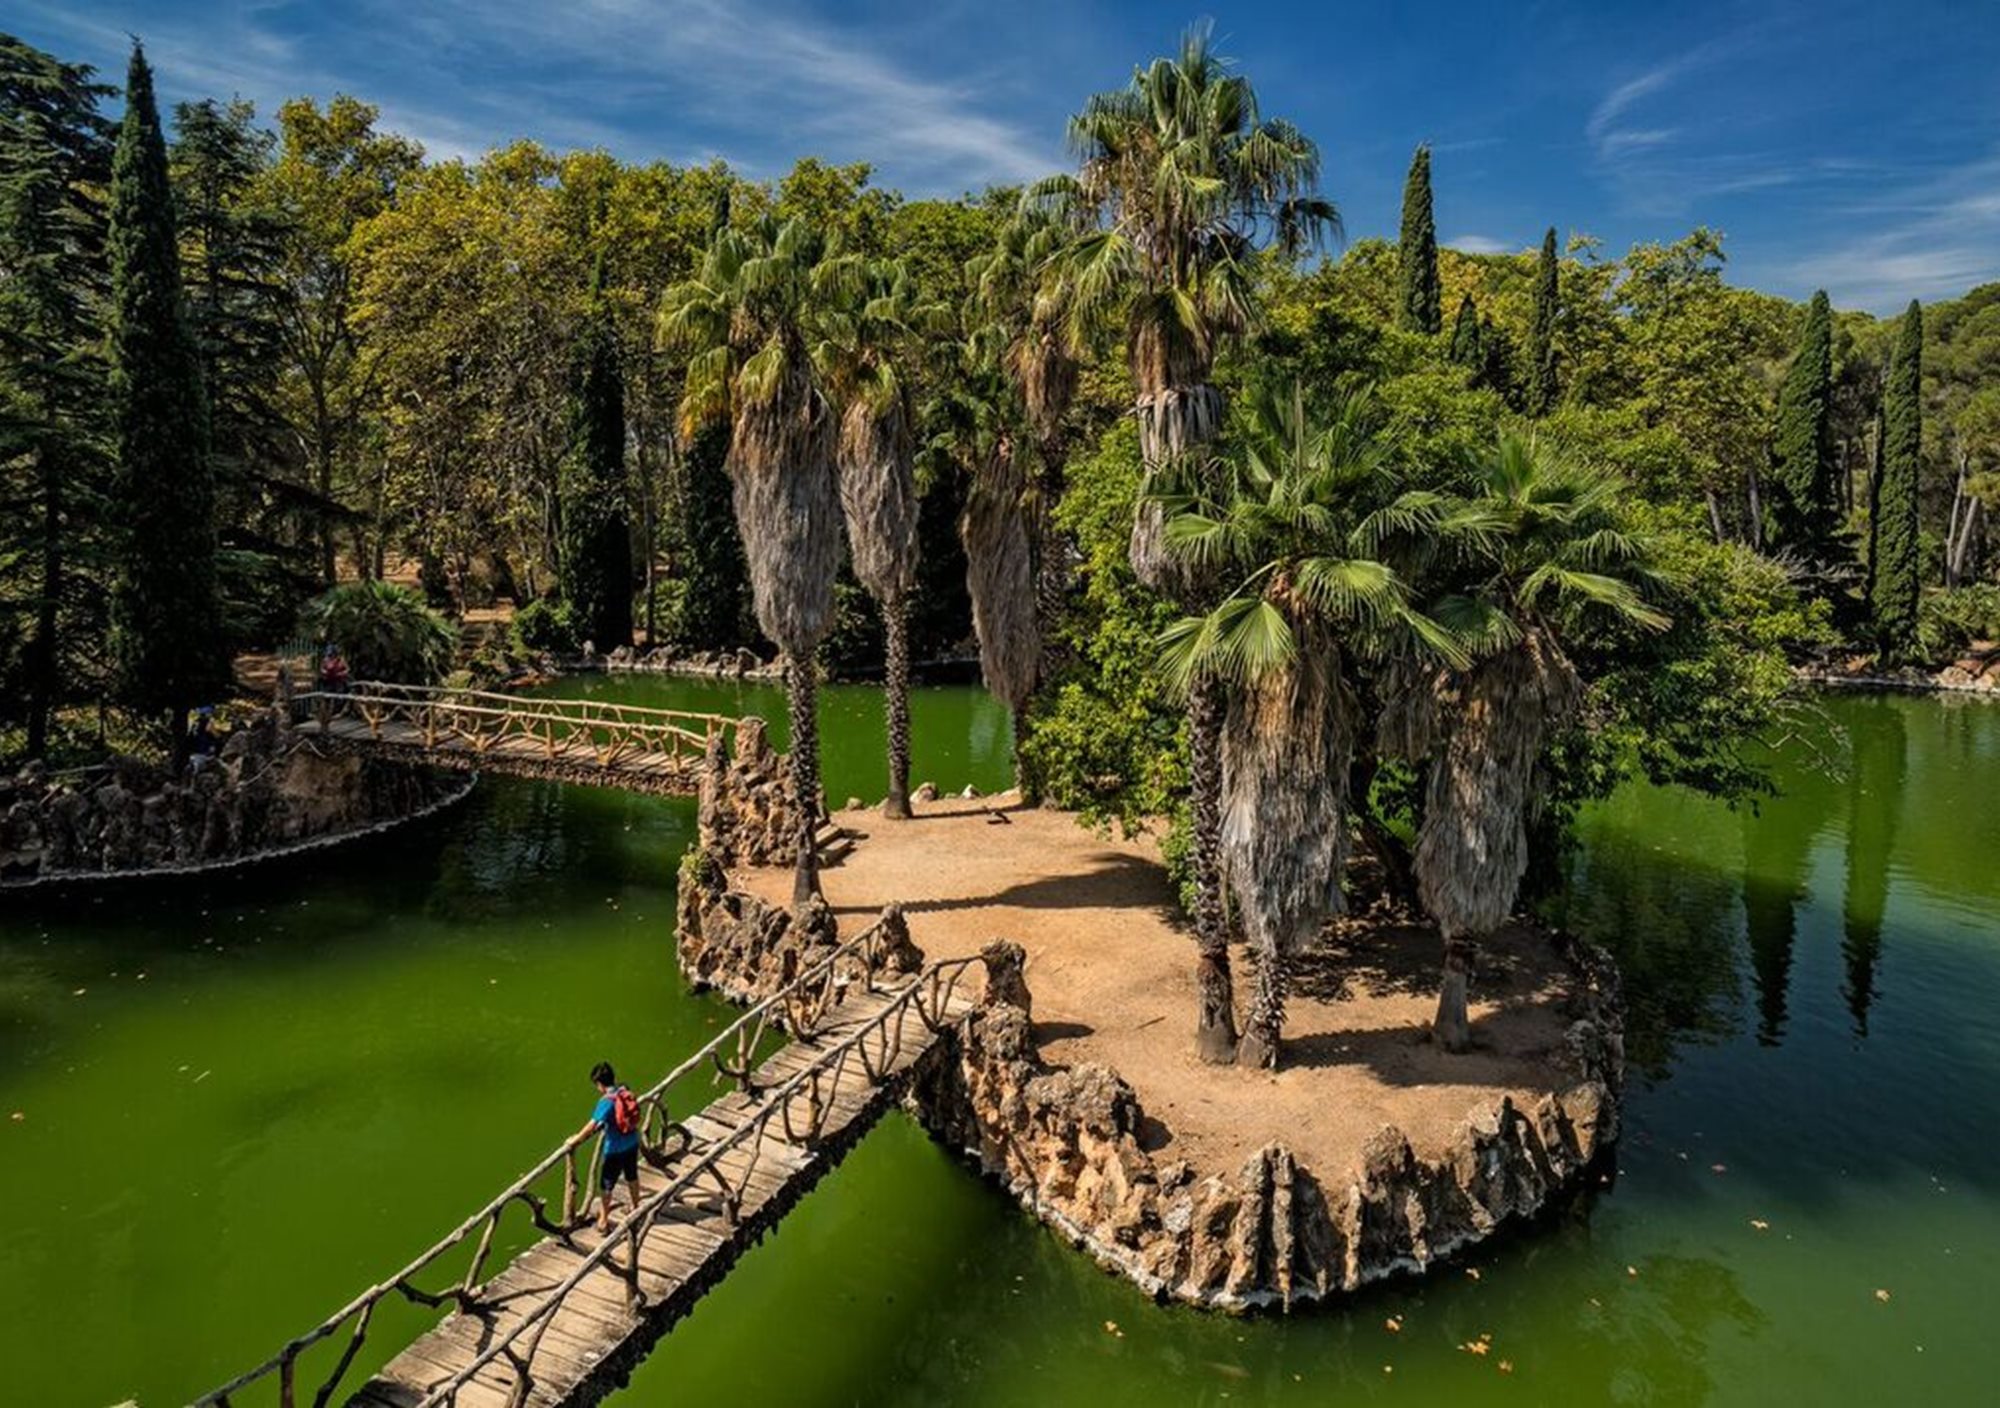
x=896 y=624
x=1264 y=1024
x=802 y=702
x=1215 y=1021
x=1450 y=1028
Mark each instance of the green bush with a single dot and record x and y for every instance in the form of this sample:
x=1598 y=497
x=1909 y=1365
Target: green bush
x=386 y=632
x=1947 y=622
x=547 y=624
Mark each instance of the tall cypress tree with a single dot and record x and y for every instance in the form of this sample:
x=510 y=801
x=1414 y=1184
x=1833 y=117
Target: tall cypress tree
x=1541 y=398
x=166 y=613
x=1802 y=447
x=596 y=557
x=55 y=154
x=1896 y=582
x=1422 y=309
x=1466 y=350
x=714 y=578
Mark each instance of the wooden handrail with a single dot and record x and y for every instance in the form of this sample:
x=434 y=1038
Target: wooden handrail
x=821 y=983
x=929 y=993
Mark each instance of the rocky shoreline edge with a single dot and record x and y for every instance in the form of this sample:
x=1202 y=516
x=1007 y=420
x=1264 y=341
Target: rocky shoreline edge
x=270 y=795
x=1065 y=1141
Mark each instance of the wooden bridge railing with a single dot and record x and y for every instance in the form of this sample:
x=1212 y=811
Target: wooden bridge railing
x=929 y=995
x=563 y=1179
x=476 y=721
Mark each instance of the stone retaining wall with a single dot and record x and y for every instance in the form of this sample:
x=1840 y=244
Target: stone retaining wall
x=267 y=792
x=1065 y=1140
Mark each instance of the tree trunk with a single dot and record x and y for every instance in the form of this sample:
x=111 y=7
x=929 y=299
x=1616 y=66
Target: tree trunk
x=1451 y=1029
x=802 y=687
x=42 y=652
x=1215 y=1021
x=177 y=724
x=1264 y=1024
x=896 y=681
x=1715 y=516
x=1756 y=511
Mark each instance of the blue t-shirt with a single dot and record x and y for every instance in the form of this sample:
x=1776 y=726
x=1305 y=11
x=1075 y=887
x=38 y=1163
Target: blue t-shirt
x=614 y=1142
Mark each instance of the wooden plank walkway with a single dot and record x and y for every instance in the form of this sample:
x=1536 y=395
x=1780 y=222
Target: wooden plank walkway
x=567 y=1318
x=579 y=1349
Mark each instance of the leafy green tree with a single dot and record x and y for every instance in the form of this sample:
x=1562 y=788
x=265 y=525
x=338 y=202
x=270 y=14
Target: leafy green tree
x=55 y=157
x=1421 y=304
x=1802 y=449
x=166 y=609
x=1180 y=173
x=1541 y=378
x=1897 y=582
x=596 y=558
x=333 y=171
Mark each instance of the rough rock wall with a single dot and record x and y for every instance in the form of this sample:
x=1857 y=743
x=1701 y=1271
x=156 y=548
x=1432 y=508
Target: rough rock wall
x=747 y=949
x=1065 y=1141
x=744 y=815
x=267 y=790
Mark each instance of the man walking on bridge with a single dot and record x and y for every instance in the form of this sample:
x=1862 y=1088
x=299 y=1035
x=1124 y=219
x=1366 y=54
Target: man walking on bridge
x=617 y=1114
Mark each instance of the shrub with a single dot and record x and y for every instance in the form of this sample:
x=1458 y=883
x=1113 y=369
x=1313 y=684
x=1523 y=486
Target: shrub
x=1949 y=621
x=547 y=624
x=386 y=632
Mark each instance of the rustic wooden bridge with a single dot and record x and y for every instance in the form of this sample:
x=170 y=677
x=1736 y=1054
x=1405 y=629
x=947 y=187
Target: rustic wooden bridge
x=563 y=1322
x=560 y=740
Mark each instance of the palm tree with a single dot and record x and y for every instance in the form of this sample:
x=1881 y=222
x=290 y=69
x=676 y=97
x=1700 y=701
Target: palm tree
x=1180 y=178
x=1308 y=525
x=1549 y=559
x=979 y=420
x=1028 y=315
x=760 y=321
x=878 y=485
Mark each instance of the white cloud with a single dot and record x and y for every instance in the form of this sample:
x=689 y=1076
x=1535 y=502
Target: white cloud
x=1942 y=237
x=749 y=82
x=1480 y=244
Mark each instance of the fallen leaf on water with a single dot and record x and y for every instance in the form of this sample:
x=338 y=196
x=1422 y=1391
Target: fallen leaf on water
x=79 y=992
x=1388 y=1368
x=1631 y=1271
x=1760 y=1224
x=1475 y=1346
x=1506 y=1366
x=1110 y=1327
x=1882 y=1296
x=1718 y=1168
x=1393 y=1324
x=1473 y=1272
x=19 y=1115
x=1596 y=1302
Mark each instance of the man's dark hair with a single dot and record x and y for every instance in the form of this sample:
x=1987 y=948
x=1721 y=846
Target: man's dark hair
x=601 y=1073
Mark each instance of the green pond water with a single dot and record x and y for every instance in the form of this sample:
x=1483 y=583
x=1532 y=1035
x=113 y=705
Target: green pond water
x=241 y=1100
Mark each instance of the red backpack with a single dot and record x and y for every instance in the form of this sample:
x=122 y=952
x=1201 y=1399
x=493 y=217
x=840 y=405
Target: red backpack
x=624 y=1110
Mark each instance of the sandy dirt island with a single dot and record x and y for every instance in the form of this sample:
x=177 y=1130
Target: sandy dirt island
x=1112 y=974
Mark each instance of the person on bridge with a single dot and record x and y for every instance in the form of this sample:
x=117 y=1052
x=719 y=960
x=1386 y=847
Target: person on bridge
x=333 y=671
x=617 y=1114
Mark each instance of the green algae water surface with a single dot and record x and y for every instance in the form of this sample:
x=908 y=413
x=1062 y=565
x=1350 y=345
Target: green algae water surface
x=327 y=1063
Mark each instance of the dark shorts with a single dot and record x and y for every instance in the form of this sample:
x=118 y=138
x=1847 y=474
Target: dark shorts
x=617 y=1166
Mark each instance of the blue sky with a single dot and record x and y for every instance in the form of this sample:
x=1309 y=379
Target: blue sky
x=1850 y=145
